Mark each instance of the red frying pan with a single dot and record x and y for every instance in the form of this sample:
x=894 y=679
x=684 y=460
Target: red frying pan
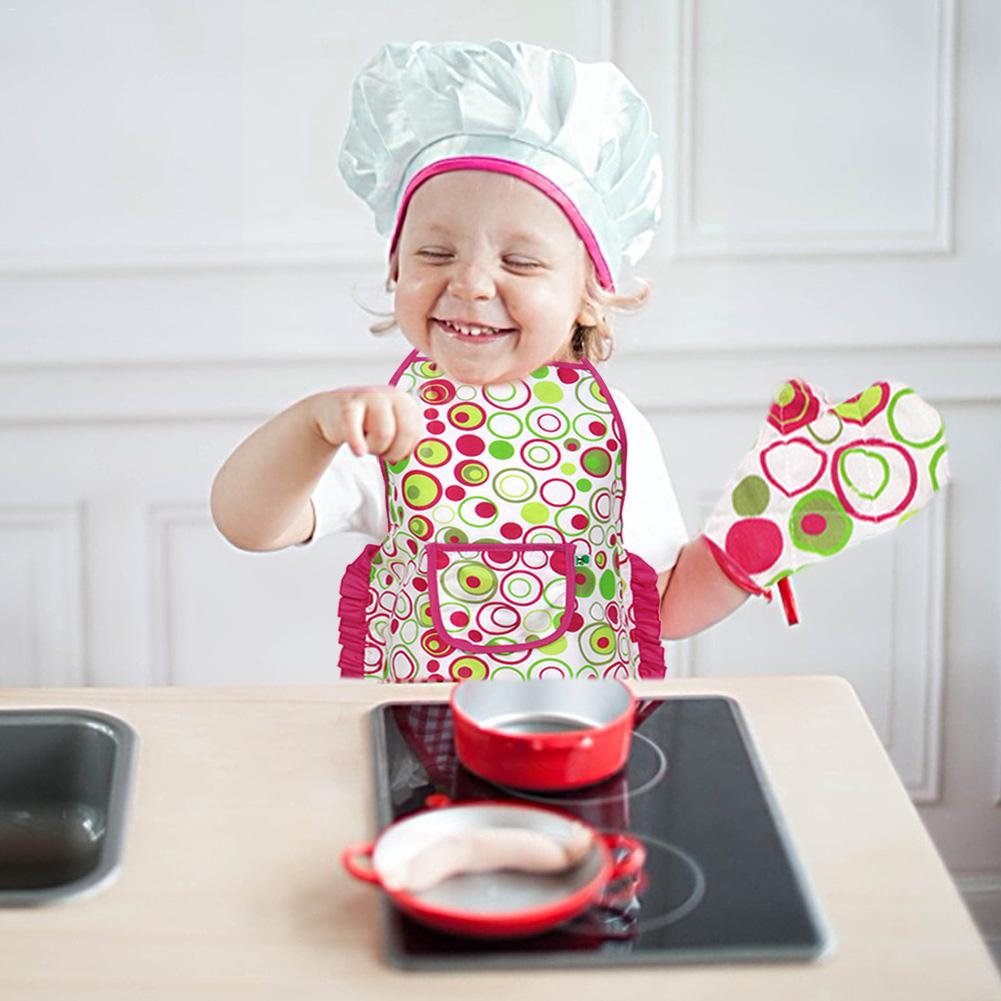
x=498 y=904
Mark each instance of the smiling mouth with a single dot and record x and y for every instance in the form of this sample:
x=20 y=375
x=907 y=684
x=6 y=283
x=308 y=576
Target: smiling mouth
x=470 y=334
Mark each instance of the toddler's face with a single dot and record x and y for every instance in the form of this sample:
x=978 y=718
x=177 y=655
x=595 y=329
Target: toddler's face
x=486 y=249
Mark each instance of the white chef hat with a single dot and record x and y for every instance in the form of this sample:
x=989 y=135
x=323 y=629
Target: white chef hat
x=579 y=132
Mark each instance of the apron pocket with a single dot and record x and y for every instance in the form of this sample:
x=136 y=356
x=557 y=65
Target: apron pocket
x=523 y=594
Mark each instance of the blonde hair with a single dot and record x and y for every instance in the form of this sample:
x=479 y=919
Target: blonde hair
x=595 y=343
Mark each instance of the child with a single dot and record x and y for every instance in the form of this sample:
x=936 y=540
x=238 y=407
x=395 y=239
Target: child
x=532 y=528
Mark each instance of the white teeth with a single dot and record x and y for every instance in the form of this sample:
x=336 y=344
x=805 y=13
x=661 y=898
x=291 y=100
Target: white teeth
x=474 y=331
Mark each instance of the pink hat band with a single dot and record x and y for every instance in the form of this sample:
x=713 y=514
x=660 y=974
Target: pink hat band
x=522 y=172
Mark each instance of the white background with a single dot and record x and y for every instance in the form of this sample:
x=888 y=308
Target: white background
x=179 y=259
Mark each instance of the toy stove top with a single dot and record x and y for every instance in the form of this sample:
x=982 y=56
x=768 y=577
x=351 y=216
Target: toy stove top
x=721 y=881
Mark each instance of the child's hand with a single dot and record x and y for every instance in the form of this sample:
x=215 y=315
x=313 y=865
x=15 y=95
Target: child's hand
x=382 y=420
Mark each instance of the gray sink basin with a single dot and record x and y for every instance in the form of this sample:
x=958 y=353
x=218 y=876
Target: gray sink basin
x=65 y=778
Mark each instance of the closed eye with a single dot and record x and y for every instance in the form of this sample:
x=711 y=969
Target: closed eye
x=511 y=262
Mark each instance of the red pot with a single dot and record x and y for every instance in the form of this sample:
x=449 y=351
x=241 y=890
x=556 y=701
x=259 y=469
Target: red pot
x=499 y=904
x=543 y=734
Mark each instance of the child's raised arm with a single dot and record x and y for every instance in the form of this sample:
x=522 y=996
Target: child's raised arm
x=261 y=495
x=697 y=594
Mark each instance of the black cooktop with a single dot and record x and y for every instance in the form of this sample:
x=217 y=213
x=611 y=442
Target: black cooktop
x=721 y=881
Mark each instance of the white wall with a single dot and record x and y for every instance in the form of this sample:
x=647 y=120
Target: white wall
x=177 y=259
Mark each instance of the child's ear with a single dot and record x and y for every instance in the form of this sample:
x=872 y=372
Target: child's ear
x=587 y=316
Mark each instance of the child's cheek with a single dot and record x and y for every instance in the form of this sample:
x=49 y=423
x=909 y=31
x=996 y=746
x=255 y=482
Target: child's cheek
x=416 y=293
x=412 y=315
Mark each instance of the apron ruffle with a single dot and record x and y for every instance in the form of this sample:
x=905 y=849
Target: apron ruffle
x=646 y=609
x=352 y=610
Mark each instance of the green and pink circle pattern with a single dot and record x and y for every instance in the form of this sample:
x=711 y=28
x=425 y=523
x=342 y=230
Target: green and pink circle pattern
x=504 y=556
x=824 y=477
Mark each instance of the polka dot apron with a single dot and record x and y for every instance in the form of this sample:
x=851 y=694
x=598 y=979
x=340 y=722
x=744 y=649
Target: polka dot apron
x=504 y=555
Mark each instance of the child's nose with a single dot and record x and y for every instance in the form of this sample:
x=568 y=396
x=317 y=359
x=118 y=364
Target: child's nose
x=471 y=280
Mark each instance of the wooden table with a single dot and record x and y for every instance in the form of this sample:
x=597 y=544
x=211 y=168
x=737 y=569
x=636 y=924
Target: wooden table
x=231 y=885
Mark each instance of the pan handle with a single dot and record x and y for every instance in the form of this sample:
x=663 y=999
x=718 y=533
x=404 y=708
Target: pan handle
x=631 y=863
x=349 y=859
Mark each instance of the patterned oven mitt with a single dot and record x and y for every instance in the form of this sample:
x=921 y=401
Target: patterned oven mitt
x=821 y=478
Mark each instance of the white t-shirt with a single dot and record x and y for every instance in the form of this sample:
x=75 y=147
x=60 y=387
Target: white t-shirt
x=351 y=495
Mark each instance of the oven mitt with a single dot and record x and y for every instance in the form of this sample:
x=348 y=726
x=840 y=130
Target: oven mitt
x=824 y=477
